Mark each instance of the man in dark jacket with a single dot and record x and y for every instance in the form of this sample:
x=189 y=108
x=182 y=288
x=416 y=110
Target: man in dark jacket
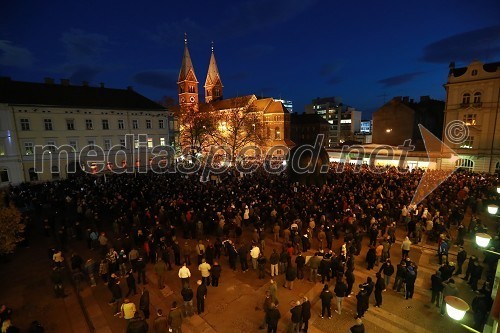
x=349 y=279
x=296 y=312
x=400 y=276
x=340 y=292
x=187 y=297
x=290 y=276
x=361 y=297
x=388 y=270
x=324 y=268
x=461 y=257
x=436 y=287
x=144 y=303
x=137 y=325
x=475 y=276
x=470 y=265
x=300 y=261
x=411 y=277
x=379 y=288
x=306 y=314
x=273 y=315
x=201 y=293
x=326 y=302
x=175 y=318
x=215 y=272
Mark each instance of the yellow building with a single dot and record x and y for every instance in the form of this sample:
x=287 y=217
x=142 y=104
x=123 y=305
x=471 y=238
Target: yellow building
x=273 y=116
x=472 y=97
x=48 y=130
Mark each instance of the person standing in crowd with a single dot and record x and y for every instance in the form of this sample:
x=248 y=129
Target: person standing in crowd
x=379 y=288
x=141 y=271
x=266 y=306
x=436 y=288
x=340 y=292
x=184 y=275
x=273 y=290
x=204 y=268
x=326 y=302
x=313 y=264
x=144 y=303
x=296 y=312
x=300 y=261
x=137 y=325
x=361 y=297
x=274 y=260
x=201 y=294
x=273 y=316
x=128 y=310
x=132 y=288
x=243 y=254
x=388 y=269
x=411 y=277
x=359 y=327
x=254 y=254
x=161 y=270
x=405 y=248
x=461 y=257
x=175 y=318
x=200 y=251
x=306 y=314
x=262 y=266
x=187 y=296
x=215 y=271
x=290 y=276
x=400 y=276
x=160 y=324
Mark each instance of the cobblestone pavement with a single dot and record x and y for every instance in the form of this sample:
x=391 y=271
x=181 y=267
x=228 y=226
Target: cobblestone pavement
x=234 y=306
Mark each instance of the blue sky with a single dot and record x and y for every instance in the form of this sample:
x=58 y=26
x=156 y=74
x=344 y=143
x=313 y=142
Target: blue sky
x=363 y=51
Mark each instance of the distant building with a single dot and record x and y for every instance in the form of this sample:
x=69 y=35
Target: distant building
x=75 y=124
x=472 y=96
x=287 y=103
x=398 y=121
x=344 y=121
x=366 y=126
x=306 y=127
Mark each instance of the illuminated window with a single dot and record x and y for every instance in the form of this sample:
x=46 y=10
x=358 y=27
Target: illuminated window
x=162 y=141
x=136 y=143
x=464 y=164
x=25 y=125
x=277 y=134
x=470 y=119
x=28 y=148
x=150 y=142
x=467 y=144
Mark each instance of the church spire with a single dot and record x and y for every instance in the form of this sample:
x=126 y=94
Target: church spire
x=187 y=81
x=213 y=83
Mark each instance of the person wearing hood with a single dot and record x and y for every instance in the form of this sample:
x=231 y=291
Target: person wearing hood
x=411 y=277
x=436 y=287
x=449 y=289
x=405 y=248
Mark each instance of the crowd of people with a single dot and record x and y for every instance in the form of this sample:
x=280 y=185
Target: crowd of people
x=147 y=219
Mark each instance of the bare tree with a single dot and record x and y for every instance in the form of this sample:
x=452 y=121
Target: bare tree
x=196 y=128
x=238 y=126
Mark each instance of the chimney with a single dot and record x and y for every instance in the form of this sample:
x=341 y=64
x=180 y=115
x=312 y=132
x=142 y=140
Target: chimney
x=64 y=82
x=406 y=99
x=424 y=98
x=85 y=83
x=101 y=84
x=48 y=80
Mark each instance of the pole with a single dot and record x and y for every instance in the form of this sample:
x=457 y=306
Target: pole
x=494 y=133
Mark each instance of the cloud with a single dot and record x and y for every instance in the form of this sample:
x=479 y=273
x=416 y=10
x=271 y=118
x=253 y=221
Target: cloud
x=476 y=44
x=83 y=47
x=14 y=56
x=162 y=79
x=240 y=18
x=399 y=79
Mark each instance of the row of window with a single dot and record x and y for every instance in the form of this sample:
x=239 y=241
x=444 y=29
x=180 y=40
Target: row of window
x=476 y=99
x=91 y=144
x=89 y=124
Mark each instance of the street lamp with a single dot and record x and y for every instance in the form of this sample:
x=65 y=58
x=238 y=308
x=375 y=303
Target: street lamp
x=498 y=189
x=482 y=239
x=456 y=307
x=492 y=209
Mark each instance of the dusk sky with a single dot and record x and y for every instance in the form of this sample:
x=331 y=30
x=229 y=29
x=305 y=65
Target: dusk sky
x=363 y=51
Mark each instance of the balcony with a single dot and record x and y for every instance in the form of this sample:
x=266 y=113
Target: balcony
x=477 y=104
x=464 y=105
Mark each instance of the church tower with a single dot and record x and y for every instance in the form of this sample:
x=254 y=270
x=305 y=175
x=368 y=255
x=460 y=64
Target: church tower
x=213 y=84
x=187 y=82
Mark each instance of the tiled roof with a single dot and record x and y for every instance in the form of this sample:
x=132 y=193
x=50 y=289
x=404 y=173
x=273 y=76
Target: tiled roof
x=30 y=93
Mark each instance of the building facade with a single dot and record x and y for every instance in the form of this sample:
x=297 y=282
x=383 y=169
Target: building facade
x=306 y=128
x=344 y=121
x=472 y=97
x=272 y=114
x=48 y=130
x=398 y=120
